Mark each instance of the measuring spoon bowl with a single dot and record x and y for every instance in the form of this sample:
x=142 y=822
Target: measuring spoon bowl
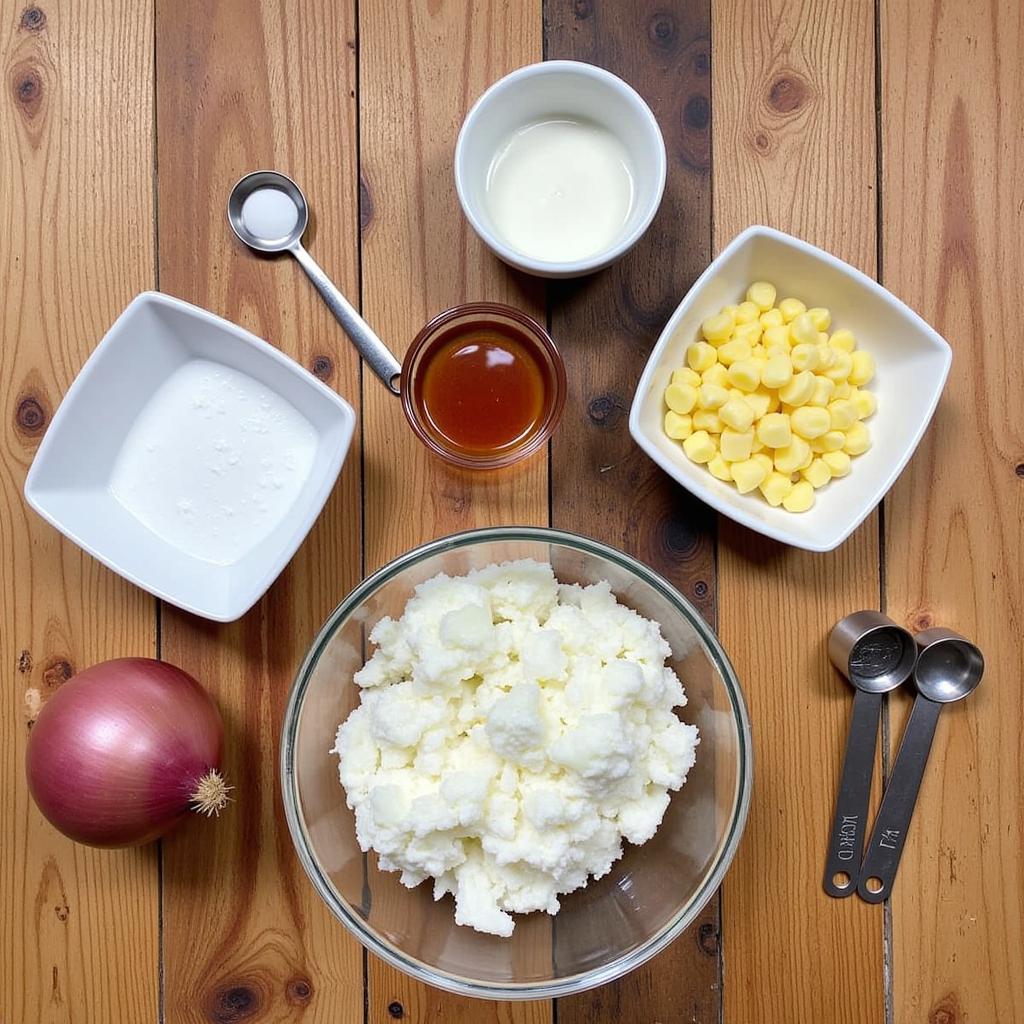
x=949 y=667
x=252 y=183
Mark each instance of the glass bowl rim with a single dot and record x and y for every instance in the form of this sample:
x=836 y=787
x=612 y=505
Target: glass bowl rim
x=571 y=984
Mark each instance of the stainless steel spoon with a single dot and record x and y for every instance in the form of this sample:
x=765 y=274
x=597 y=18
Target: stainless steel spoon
x=371 y=348
x=876 y=656
x=948 y=669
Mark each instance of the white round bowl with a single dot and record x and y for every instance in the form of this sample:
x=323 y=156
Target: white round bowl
x=563 y=88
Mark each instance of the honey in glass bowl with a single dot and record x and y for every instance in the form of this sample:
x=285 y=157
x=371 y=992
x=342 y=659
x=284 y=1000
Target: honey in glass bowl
x=483 y=385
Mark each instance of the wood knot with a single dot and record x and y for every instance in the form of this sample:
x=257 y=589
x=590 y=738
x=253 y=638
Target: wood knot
x=920 y=619
x=697 y=113
x=299 y=990
x=63 y=911
x=1019 y=469
x=25 y=662
x=946 y=1010
x=606 y=410
x=56 y=673
x=396 y=1010
x=678 y=540
x=701 y=63
x=787 y=94
x=582 y=9
x=232 y=1003
x=762 y=143
x=33 y=19
x=700 y=589
x=707 y=939
x=365 y=204
x=27 y=86
x=323 y=367
x=663 y=31
x=30 y=416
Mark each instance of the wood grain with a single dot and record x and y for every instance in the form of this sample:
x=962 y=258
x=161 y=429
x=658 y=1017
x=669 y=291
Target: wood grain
x=242 y=86
x=421 y=66
x=602 y=484
x=794 y=147
x=78 y=927
x=953 y=165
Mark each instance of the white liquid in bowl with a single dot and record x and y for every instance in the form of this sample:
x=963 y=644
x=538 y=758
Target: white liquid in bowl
x=214 y=461
x=560 y=190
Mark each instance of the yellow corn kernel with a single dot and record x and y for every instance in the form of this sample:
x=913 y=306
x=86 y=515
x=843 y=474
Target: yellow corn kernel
x=858 y=439
x=863 y=368
x=817 y=474
x=720 y=468
x=843 y=413
x=775 y=487
x=770 y=318
x=843 y=340
x=843 y=390
x=711 y=396
x=823 y=390
x=842 y=363
x=800 y=499
x=717 y=328
x=774 y=431
x=706 y=419
x=737 y=414
x=864 y=402
x=730 y=312
x=803 y=331
x=822 y=318
x=793 y=456
x=700 y=355
x=777 y=372
x=810 y=421
x=807 y=459
x=805 y=357
x=681 y=398
x=832 y=441
x=799 y=390
x=791 y=309
x=826 y=357
x=678 y=427
x=838 y=463
x=745 y=374
x=818 y=445
x=699 y=447
x=757 y=446
x=748 y=474
x=716 y=374
x=765 y=460
x=747 y=312
x=734 y=350
x=749 y=332
x=759 y=352
x=736 y=444
x=762 y=294
x=686 y=376
x=776 y=337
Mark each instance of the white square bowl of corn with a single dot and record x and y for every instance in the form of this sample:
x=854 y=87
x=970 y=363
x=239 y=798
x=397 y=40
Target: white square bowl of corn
x=788 y=390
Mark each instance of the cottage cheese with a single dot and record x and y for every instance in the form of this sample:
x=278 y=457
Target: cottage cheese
x=511 y=732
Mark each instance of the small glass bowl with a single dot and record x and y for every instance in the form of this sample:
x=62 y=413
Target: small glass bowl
x=613 y=925
x=520 y=327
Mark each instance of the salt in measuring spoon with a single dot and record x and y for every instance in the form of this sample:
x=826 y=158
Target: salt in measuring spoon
x=876 y=656
x=264 y=223
x=949 y=668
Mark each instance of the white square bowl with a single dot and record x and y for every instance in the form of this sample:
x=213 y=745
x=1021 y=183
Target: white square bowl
x=912 y=365
x=68 y=483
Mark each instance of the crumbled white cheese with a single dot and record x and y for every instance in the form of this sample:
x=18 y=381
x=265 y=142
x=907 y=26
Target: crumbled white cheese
x=511 y=732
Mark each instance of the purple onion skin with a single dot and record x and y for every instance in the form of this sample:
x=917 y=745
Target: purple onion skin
x=115 y=754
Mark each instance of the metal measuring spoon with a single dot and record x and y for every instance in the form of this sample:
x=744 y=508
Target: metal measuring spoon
x=371 y=348
x=948 y=669
x=876 y=656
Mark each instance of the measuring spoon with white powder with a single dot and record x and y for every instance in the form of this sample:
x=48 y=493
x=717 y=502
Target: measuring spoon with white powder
x=268 y=212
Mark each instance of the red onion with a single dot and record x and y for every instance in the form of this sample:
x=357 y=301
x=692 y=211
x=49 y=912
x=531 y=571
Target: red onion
x=122 y=752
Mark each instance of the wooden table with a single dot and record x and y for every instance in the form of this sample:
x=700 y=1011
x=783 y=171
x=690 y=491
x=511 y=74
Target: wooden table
x=888 y=132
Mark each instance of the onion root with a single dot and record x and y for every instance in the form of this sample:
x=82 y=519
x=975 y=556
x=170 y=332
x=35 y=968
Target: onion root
x=210 y=796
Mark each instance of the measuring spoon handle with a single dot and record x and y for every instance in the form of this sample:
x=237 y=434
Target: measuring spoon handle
x=849 y=824
x=377 y=355
x=885 y=847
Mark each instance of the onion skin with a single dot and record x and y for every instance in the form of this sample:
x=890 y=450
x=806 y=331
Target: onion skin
x=117 y=753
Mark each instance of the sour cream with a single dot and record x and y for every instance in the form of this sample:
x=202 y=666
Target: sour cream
x=560 y=190
x=214 y=461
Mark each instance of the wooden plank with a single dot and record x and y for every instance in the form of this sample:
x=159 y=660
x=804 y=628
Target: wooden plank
x=421 y=66
x=242 y=86
x=953 y=159
x=794 y=147
x=79 y=927
x=602 y=484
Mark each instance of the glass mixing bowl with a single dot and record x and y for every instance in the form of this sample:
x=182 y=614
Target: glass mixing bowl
x=651 y=894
